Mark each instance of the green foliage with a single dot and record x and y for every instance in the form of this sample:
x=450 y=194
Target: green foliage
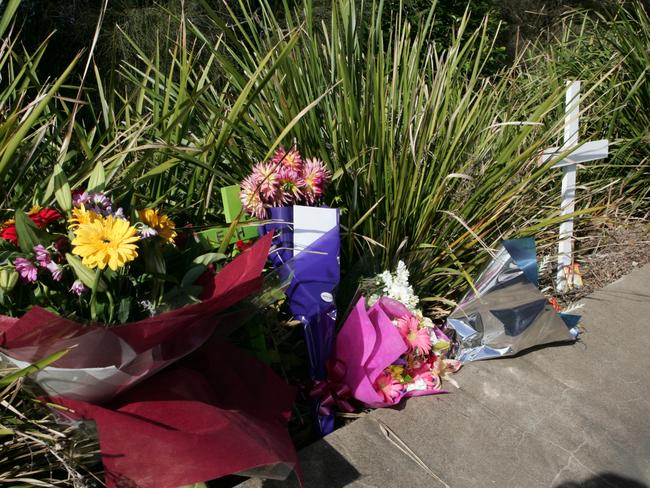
x=435 y=155
x=434 y=160
x=612 y=44
x=28 y=116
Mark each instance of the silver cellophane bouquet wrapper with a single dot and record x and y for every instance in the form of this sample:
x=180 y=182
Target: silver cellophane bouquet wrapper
x=507 y=313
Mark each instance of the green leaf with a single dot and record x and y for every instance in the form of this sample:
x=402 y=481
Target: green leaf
x=97 y=181
x=34 y=368
x=8 y=150
x=85 y=274
x=62 y=191
x=154 y=262
x=27 y=232
x=441 y=345
x=192 y=275
x=180 y=297
x=8 y=15
x=124 y=309
x=209 y=258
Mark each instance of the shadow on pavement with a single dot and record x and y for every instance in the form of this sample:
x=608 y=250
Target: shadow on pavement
x=324 y=467
x=604 y=480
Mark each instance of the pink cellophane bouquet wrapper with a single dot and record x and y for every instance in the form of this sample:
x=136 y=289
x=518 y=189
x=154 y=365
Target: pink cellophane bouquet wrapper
x=369 y=342
x=105 y=361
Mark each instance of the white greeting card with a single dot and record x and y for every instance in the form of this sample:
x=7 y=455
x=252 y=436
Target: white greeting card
x=310 y=224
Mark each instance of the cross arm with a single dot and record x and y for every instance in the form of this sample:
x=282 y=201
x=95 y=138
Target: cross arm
x=589 y=151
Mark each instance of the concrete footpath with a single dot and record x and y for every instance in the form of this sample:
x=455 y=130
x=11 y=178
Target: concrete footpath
x=565 y=416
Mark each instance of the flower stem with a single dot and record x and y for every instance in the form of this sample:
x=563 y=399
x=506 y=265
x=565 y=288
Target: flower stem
x=111 y=306
x=230 y=232
x=93 y=296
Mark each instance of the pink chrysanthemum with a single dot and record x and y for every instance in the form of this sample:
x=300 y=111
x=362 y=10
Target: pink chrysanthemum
x=414 y=337
x=388 y=387
x=290 y=159
x=251 y=198
x=315 y=176
x=289 y=190
x=78 y=288
x=266 y=174
x=55 y=270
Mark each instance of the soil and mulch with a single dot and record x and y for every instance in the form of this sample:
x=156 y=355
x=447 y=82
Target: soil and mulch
x=606 y=249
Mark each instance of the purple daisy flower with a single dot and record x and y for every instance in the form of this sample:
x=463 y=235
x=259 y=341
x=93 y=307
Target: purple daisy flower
x=26 y=269
x=78 y=288
x=43 y=257
x=98 y=202
x=55 y=271
x=79 y=198
x=147 y=232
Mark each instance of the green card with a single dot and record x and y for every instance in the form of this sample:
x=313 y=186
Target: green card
x=232 y=207
x=231 y=202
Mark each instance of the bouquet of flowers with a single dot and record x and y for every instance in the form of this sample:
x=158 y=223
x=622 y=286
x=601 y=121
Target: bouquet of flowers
x=87 y=263
x=96 y=263
x=287 y=191
x=127 y=294
x=387 y=349
x=283 y=181
x=273 y=189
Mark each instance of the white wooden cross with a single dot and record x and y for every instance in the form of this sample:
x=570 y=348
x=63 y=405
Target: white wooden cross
x=589 y=151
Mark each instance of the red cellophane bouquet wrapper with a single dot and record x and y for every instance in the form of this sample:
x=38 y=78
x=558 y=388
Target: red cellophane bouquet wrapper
x=128 y=294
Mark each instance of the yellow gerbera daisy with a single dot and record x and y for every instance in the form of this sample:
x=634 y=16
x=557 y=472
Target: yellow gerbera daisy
x=106 y=241
x=82 y=216
x=163 y=225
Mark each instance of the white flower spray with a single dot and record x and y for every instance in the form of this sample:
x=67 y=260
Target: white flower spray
x=397 y=287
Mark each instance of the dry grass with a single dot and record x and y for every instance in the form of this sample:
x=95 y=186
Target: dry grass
x=37 y=448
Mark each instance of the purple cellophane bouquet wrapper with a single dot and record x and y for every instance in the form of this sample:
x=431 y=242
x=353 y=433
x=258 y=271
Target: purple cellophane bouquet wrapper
x=281 y=226
x=315 y=274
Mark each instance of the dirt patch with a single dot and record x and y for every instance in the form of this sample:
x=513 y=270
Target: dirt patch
x=606 y=250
